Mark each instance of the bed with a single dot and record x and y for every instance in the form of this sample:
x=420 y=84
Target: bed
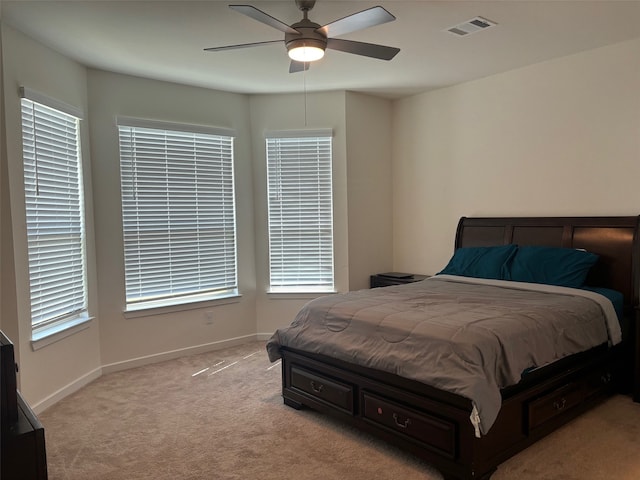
x=466 y=423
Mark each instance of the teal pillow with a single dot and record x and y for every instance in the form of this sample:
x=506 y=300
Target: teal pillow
x=566 y=267
x=480 y=262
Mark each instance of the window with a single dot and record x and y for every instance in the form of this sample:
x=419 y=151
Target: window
x=178 y=213
x=300 y=211
x=54 y=213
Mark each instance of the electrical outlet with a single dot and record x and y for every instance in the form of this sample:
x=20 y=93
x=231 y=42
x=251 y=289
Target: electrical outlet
x=208 y=318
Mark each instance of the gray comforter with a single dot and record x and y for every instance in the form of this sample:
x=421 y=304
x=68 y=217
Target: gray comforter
x=467 y=336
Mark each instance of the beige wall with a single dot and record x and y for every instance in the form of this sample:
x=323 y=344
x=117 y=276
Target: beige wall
x=287 y=112
x=368 y=123
x=168 y=330
x=7 y=273
x=48 y=370
x=556 y=138
x=362 y=191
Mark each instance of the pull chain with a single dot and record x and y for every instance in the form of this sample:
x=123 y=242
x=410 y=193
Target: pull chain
x=304 y=81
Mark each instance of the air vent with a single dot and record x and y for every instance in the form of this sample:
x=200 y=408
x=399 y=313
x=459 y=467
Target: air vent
x=472 y=26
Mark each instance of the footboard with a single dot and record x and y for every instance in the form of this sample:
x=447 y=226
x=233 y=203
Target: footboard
x=434 y=424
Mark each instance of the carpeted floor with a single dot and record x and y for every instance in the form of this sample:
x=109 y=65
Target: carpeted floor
x=220 y=416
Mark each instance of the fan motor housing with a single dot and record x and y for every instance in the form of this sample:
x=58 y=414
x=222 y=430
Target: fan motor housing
x=309 y=36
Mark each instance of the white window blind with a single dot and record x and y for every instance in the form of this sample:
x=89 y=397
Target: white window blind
x=178 y=214
x=300 y=213
x=54 y=214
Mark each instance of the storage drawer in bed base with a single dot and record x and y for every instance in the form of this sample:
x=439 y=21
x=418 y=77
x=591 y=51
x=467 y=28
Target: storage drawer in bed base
x=432 y=432
x=553 y=404
x=322 y=388
x=562 y=400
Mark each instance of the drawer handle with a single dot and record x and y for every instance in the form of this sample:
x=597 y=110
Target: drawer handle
x=399 y=424
x=316 y=388
x=605 y=378
x=560 y=404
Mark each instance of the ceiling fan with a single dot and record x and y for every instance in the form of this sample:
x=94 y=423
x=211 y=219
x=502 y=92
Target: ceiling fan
x=306 y=41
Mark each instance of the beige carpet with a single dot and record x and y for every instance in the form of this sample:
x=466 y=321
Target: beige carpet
x=220 y=416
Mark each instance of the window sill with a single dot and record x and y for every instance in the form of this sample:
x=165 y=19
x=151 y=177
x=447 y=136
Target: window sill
x=293 y=295
x=175 y=308
x=53 y=334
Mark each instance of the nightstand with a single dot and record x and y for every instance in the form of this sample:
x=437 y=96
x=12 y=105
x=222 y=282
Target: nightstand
x=394 y=278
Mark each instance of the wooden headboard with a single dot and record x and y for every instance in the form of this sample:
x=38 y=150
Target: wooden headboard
x=614 y=239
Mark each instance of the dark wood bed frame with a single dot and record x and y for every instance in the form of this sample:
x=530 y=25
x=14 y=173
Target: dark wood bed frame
x=434 y=424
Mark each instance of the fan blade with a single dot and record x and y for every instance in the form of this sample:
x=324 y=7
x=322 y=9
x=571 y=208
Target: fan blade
x=259 y=15
x=295 y=67
x=381 y=52
x=357 y=21
x=242 y=45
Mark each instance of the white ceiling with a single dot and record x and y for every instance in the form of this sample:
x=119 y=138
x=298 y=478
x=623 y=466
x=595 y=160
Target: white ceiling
x=165 y=40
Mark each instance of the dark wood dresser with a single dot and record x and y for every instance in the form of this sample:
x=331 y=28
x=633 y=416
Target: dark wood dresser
x=23 y=449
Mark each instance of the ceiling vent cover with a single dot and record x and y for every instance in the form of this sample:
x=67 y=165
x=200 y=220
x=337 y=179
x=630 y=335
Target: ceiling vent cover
x=471 y=26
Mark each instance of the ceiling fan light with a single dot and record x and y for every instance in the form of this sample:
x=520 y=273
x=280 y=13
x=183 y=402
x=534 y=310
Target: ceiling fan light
x=306 y=53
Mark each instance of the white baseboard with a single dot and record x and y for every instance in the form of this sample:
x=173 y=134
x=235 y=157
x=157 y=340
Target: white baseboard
x=264 y=336
x=67 y=390
x=138 y=362
x=181 y=352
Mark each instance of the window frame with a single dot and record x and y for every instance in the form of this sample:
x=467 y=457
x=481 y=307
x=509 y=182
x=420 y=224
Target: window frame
x=174 y=301
x=52 y=159
x=321 y=194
